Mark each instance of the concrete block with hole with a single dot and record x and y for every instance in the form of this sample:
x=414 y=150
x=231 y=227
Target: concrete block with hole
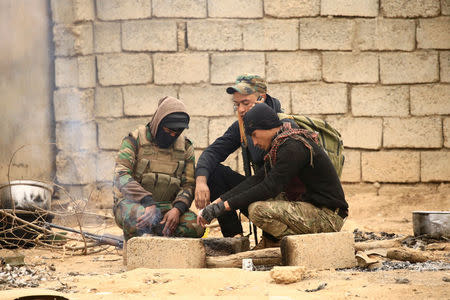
x=319 y=251
x=165 y=253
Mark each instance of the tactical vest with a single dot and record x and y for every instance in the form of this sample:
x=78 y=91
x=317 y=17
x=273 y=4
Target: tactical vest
x=159 y=170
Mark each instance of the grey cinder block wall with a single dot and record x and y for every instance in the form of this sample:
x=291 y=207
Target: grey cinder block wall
x=377 y=70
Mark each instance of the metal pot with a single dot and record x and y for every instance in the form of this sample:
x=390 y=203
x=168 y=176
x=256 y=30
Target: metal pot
x=435 y=224
x=26 y=194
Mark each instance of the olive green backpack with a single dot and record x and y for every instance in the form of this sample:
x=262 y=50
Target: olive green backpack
x=329 y=138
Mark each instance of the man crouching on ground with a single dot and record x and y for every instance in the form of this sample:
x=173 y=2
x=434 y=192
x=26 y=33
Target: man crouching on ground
x=154 y=177
x=273 y=195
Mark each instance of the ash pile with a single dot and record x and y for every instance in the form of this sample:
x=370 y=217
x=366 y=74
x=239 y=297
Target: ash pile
x=388 y=251
x=24 y=276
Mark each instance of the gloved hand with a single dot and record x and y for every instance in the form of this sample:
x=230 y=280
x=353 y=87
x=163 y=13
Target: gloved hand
x=213 y=211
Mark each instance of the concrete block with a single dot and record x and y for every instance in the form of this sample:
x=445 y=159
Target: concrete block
x=151 y=252
x=430 y=99
x=70 y=11
x=361 y=8
x=282 y=92
x=390 y=166
x=73 y=105
x=319 y=98
x=149 y=35
x=181 y=68
x=225 y=67
x=107 y=37
x=350 y=67
x=410 y=8
x=319 y=251
x=112 y=131
x=124 y=68
x=66 y=72
x=198 y=132
x=388 y=101
x=352 y=166
x=446 y=128
x=385 y=34
x=444 y=63
x=106 y=161
x=199 y=100
x=86 y=71
x=84 y=39
x=355 y=131
x=444 y=188
x=142 y=100
x=326 y=34
x=425 y=132
x=62 y=11
x=235 y=162
x=76 y=136
x=221 y=35
x=75 y=167
x=434 y=166
x=228 y=9
x=433 y=33
x=123 y=9
x=291 y=8
x=181 y=36
x=271 y=34
x=102 y=196
x=84 y=10
x=108 y=102
x=417 y=67
x=179 y=8
x=293 y=66
x=445 y=7
x=73 y=40
x=218 y=126
x=92 y=195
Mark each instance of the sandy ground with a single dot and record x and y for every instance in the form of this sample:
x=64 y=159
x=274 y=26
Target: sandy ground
x=387 y=209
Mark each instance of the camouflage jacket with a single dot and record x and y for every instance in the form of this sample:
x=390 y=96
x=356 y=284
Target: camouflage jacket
x=126 y=184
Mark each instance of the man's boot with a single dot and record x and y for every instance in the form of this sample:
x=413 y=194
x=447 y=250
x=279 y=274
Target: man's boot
x=267 y=243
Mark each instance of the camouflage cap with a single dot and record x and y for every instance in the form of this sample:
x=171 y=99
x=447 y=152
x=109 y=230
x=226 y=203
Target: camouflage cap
x=248 y=84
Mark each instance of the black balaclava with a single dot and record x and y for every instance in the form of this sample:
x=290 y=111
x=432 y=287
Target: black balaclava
x=260 y=116
x=177 y=121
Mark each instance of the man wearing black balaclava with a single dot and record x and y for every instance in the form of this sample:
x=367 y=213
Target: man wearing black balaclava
x=273 y=196
x=154 y=176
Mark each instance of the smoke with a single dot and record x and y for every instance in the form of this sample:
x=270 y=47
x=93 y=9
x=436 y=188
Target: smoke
x=25 y=89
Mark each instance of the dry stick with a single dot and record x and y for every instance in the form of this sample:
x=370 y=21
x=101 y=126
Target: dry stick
x=363 y=246
x=45 y=230
x=62 y=188
x=70 y=197
x=77 y=218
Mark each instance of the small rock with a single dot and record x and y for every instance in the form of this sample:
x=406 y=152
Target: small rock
x=320 y=287
x=402 y=280
x=446 y=279
x=287 y=275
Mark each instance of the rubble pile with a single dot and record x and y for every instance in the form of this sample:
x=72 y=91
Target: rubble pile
x=394 y=252
x=421 y=242
x=362 y=236
x=406 y=265
x=24 y=276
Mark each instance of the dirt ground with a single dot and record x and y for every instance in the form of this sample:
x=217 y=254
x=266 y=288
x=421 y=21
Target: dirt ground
x=386 y=209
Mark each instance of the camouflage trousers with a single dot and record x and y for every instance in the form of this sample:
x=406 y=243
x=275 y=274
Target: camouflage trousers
x=126 y=213
x=281 y=218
